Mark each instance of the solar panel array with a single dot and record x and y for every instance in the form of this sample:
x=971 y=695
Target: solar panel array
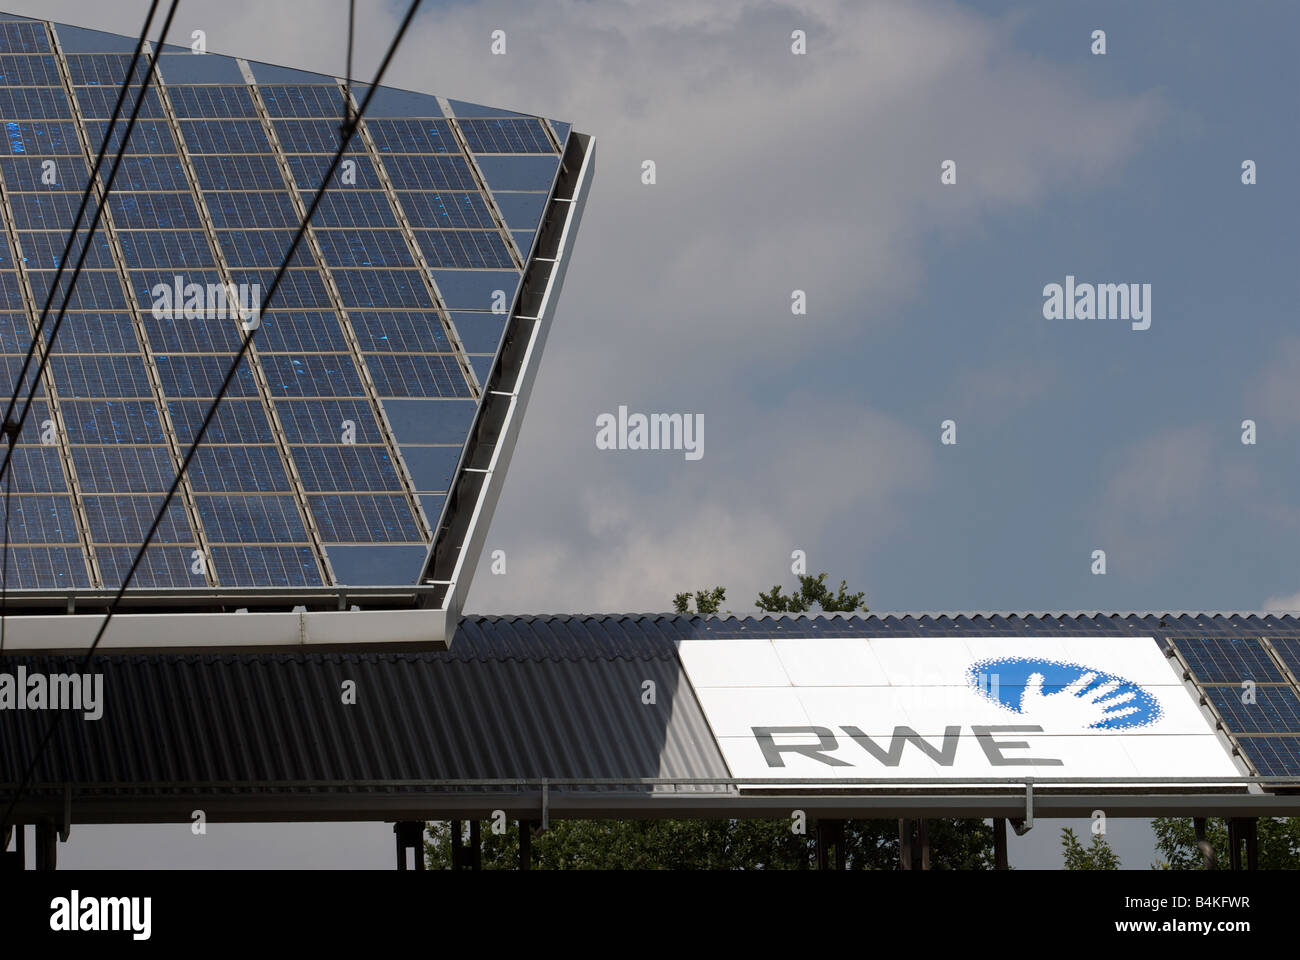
x=331 y=457
x=1251 y=685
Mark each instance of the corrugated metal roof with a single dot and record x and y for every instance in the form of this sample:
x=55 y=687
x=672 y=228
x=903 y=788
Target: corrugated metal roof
x=510 y=700
x=515 y=697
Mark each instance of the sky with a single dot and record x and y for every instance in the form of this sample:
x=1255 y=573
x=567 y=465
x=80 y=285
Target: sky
x=821 y=172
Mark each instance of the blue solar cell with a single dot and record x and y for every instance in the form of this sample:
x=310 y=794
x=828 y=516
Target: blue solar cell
x=47 y=211
x=1273 y=710
x=381 y=287
x=15 y=332
x=41 y=138
x=253 y=209
x=161 y=566
x=29 y=71
x=249 y=172
x=300 y=332
x=147 y=249
x=506 y=135
x=464 y=248
x=352 y=208
x=150 y=173
x=82 y=375
x=308 y=169
x=11 y=295
x=312 y=375
x=364 y=248
x=236 y=421
x=123 y=469
x=400 y=332
x=252 y=248
x=112 y=421
x=226 y=469
x=98 y=103
x=23 y=36
x=364 y=518
x=125 y=520
x=1228 y=659
x=312 y=136
x=328 y=421
x=255 y=519
x=43 y=250
x=412 y=136
x=34 y=103
x=211 y=100
x=225 y=137
x=1288 y=651
x=1273 y=756
x=98 y=69
x=300 y=288
x=162 y=211
x=147 y=136
x=302 y=100
x=180 y=335
x=266 y=566
x=60 y=568
x=426 y=375
x=445 y=209
x=201 y=376
x=94 y=290
x=33 y=518
x=95 y=333
x=345 y=467
x=409 y=172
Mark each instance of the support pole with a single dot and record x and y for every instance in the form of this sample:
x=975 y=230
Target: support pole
x=47 y=845
x=1252 y=843
x=1203 y=844
x=475 y=845
x=1234 y=844
x=923 y=841
x=904 y=844
x=1000 y=844
x=457 y=856
x=525 y=844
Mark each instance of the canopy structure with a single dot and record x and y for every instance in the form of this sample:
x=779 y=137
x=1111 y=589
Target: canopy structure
x=689 y=716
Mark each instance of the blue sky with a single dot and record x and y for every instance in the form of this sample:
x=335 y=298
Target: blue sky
x=822 y=173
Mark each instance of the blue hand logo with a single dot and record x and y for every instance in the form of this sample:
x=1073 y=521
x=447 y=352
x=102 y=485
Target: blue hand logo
x=1063 y=696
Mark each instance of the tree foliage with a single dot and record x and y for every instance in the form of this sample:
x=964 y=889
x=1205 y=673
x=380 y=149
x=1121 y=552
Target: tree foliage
x=1279 y=843
x=711 y=845
x=706 y=601
x=812 y=591
x=1096 y=856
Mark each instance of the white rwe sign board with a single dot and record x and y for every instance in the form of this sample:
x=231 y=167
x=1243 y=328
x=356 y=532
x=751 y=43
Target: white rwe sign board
x=958 y=707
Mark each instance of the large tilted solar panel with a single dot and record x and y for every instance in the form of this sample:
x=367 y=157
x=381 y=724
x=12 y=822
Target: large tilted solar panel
x=332 y=455
x=1245 y=681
